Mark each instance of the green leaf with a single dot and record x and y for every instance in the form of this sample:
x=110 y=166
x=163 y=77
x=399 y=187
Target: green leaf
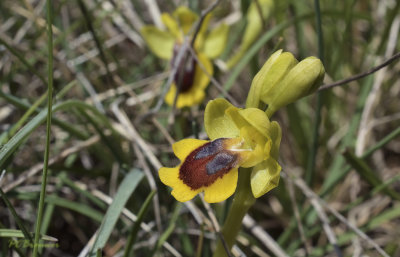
x=18 y=220
x=136 y=226
x=125 y=190
x=169 y=230
x=367 y=173
x=81 y=208
x=4 y=232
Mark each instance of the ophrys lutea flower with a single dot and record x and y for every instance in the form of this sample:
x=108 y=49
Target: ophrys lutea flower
x=238 y=138
x=191 y=78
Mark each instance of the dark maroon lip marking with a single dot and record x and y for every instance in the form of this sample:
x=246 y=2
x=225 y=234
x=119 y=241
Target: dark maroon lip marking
x=184 y=76
x=211 y=148
x=220 y=161
x=206 y=164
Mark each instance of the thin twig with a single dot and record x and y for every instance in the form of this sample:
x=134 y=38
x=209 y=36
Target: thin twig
x=201 y=20
x=263 y=236
x=36 y=168
x=360 y=75
x=124 y=120
x=311 y=195
x=155 y=13
x=325 y=225
x=2 y=175
x=128 y=214
x=374 y=96
x=216 y=226
x=303 y=238
x=88 y=20
x=128 y=87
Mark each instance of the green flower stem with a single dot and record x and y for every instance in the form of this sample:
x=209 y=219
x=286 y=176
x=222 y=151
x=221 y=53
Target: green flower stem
x=48 y=129
x=242 y=202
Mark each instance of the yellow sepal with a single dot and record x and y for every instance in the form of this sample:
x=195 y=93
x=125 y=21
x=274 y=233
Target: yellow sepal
x=161 y=43
x=215 y=41
x=185 y=17
x=264 y=177
x=216 y=122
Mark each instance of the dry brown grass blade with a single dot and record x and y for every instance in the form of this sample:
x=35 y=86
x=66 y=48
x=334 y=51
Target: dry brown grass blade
x=313 y=196
x=38 y=167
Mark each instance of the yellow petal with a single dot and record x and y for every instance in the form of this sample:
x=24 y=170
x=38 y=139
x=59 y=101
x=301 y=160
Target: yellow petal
x=215 y=41
x=222 y=188
x=181 y=192
x=198 y=96
x=161 y=43
x=204 y=25
x=201 y=79
x=264 y=177
x=216 y=122
x=276 y=136
x=186 y=18
x=258 y=119
x=170 y=96
x=238 y=119
x=184 y=147
x=172 y=25
x=169 y=176
x=256 y=142
x=199 y=43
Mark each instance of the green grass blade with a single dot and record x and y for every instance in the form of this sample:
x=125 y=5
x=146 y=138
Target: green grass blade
x=169 y=230
x=367 y=174
x=10 y=147
x=257 y=46
x=385 y=216
x=25 y=106
x=18 y=220
x=125 y=190
x=310 y=170
x=23 y=60
x=50 y=68
x=19 y=234
x=85 y=193
x=88 y=21
x=81 y=208
x=336 y=171
x=23 y=119
x=136 y=226
x=112 y=144
x=392 y=135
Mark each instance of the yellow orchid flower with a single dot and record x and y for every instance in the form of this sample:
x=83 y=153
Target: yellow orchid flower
x=191 y=77
x=238 y=138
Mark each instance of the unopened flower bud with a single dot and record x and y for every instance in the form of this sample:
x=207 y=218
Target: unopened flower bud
x=302 y=80
x=266 y=80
